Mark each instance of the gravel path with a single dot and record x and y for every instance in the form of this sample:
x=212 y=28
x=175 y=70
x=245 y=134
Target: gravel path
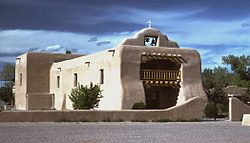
x=125 y=132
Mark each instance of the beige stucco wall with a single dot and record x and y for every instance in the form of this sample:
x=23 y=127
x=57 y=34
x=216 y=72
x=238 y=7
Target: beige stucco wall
x=237 y=108
x=21 y=90
x=35 y=69
x=133 y=91
x=122 y=85
x=190 y=110
x=88 y=70
x=133 y=48
x=38 y=69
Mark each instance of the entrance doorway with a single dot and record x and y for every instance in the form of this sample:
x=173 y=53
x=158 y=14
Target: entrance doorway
x=161 y=80
x=161 y=97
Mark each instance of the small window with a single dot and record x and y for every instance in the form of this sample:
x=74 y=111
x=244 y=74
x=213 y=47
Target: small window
x=21 y=79
x=58 y=81
x=101 y=76
x=75 y=80
x=150 y=41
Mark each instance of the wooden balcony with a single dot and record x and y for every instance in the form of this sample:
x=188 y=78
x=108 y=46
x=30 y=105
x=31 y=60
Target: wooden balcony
x=160 y=75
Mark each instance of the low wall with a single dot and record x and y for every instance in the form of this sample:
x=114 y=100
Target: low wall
x=246 y=120
x=237 y=108
x=191 y=109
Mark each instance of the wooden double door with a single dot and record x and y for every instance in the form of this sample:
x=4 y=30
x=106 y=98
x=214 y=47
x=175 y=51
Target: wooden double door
x=161 y=97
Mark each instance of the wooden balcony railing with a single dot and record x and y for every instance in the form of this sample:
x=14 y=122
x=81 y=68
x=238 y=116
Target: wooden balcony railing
x=160 y=75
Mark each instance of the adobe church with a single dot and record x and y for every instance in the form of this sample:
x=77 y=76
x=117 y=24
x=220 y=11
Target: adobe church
x=147 y=67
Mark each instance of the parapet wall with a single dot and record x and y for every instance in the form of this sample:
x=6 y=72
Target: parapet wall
x=237 y=108
x=190 y=110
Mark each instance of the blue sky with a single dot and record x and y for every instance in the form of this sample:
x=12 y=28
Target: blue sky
x=215 y=28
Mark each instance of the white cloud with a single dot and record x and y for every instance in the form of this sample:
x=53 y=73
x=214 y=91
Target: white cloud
x=185 y=31
x=20 y=41
x=141 y=16
x=53 y=47
x=186 y=27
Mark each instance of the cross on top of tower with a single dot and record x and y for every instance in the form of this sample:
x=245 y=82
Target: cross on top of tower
x=149 y=23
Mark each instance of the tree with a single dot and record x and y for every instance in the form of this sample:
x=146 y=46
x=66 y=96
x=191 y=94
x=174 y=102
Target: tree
x=222 y=77
x=6 y=93
x=211 y=111
x=214 y=81
x=238 y=65
x=207 y=78
x=84 y=97
x=218 y=77
x=8 y=73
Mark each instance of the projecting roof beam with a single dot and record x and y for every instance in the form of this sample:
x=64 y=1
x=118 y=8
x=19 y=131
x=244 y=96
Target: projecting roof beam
x=180 y=57
x=177 y=60
x=158 y=56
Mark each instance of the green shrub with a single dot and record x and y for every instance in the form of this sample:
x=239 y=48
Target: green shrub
x=211 y=110
x=139 y=105
x=84 y=97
